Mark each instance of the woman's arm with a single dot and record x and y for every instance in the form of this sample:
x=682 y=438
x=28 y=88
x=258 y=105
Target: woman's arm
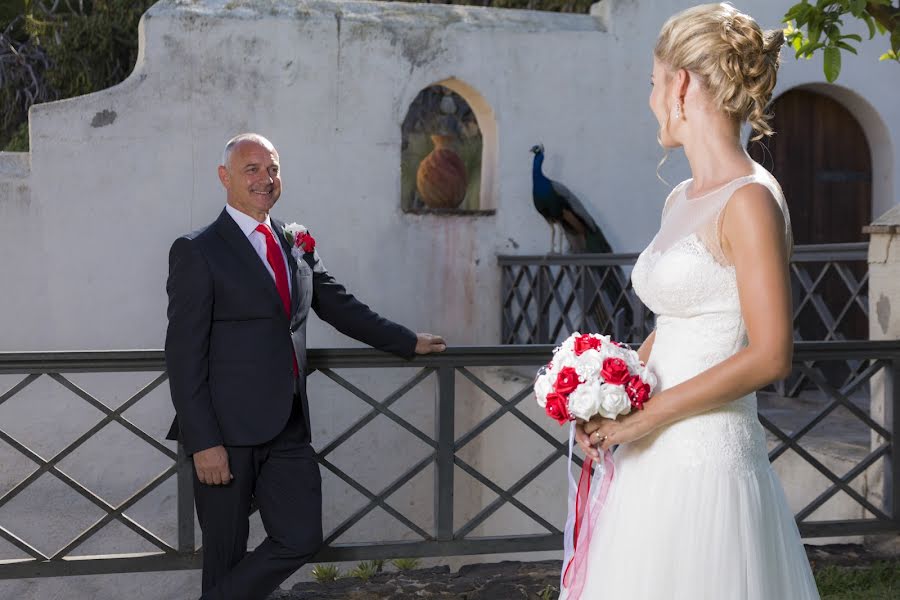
x=754 y=240
x=646 y=348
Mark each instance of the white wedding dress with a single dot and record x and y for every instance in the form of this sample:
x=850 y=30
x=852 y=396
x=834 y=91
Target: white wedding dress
x=695 y=511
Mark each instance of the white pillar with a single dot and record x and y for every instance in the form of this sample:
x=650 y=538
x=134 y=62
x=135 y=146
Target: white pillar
x=884 y=324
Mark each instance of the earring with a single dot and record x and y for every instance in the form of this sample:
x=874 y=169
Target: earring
x=678 y=111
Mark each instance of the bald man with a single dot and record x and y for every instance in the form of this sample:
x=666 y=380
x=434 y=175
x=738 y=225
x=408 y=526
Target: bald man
x=236 y=357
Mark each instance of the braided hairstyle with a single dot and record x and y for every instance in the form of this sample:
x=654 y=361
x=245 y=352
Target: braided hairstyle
x=736 y=60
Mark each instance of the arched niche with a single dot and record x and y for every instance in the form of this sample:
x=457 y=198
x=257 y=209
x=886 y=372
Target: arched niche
x=446 y=118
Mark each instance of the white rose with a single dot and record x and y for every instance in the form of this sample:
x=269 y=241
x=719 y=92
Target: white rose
x=610 y=350
x=584 y=402
x=569 y=343
x=632 y=360
x=295 y=228
x=563 y=358
x=543 y=385
x=649 y=378
x=589 y=365
x=613 y=401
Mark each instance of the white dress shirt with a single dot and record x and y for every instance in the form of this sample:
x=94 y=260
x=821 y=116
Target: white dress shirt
x=248 y=225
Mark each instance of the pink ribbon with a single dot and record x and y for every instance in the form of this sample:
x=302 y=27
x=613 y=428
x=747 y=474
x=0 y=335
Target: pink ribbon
x=587 y=508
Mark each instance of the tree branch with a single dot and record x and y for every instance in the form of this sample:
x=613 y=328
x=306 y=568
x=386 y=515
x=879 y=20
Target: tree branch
x=883 y=13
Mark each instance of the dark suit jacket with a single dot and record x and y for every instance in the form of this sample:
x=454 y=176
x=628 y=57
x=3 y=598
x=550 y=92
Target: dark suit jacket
x=230 y=345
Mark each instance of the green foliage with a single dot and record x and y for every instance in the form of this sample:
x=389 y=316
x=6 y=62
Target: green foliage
x=405 y=564
x=365 y=570
x=548 y=593
x=18 y=141
x=818 y=26
x=59 y=49
x=325 y=573
x=92 y=49
x=881 y=580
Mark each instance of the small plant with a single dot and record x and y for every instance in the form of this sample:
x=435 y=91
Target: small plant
x=365 y=570
x=405 y=564
x=548 y=593
x=379 y=564
x=325 y=573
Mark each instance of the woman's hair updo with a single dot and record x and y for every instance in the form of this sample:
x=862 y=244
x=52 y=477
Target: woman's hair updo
x=736 y=60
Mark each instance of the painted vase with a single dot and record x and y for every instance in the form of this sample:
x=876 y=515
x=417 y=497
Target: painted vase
x=441 y=178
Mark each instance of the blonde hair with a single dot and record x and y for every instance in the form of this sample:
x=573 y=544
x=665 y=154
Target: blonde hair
x=736 y=60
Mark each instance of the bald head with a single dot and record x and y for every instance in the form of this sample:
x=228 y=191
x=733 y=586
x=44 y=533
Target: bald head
x=243 y=138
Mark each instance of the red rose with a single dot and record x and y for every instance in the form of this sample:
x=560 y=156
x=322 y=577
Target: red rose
x=638 y=392
x=566 y=381
x=557 y=407
x=615 y=371
x=585 y=343
x=306 y=242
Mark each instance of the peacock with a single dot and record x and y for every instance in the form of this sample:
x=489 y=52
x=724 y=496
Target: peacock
x=559 y=206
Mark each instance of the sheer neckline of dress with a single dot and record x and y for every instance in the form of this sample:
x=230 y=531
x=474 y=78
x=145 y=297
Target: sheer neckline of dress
x=687 y=185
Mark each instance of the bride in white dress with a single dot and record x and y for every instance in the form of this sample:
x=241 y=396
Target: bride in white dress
x=695 y=511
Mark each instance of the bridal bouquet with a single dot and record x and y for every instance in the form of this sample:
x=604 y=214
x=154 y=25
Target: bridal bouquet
x=589 y=375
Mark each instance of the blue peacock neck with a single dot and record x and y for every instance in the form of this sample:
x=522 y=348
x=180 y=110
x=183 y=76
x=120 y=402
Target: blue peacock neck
x=540 y=181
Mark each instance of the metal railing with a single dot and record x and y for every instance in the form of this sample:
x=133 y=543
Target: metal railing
x=545 y=298
x=445 y=537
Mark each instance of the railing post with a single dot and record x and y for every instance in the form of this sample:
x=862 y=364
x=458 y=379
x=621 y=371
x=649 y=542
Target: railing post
x=542 y=316
x=584 y=298
x=446 y=437
x=506 y=318
x=185 y=498
x=892 y=419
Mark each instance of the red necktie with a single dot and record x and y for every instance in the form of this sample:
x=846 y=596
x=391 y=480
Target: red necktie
x=276 y=261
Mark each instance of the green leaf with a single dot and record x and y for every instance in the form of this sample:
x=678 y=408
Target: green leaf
x=833 y=33
x=846 y=47
x=832 y=63
x=871 y=23
x=895 y=39
x=794 y=12
x=797 y=43
x=889 y=55
x=857 y=7
x=815 y=30
x=851 y=36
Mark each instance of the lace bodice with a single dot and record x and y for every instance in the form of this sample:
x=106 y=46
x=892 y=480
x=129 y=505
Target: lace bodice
x=685 y=279
x=684 y=272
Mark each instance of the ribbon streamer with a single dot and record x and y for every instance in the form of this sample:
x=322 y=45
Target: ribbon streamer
x=586 y=500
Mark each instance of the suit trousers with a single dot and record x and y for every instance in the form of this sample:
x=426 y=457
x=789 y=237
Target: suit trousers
x=282 y=479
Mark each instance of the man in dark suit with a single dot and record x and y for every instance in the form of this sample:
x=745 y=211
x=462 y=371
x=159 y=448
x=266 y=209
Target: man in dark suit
x=236 y=356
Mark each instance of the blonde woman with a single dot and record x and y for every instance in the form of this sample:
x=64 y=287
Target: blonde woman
x=695 y=511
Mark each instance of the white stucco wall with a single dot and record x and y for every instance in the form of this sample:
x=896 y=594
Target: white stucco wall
x=115 y=176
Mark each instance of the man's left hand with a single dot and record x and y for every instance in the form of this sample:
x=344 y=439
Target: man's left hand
x=427 y=343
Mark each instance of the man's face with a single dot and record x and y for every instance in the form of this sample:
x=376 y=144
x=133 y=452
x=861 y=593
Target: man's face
x=252 y=178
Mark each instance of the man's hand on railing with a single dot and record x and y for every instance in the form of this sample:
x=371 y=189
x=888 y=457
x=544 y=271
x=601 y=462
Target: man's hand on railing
x=212 y=466
x=427 y=343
